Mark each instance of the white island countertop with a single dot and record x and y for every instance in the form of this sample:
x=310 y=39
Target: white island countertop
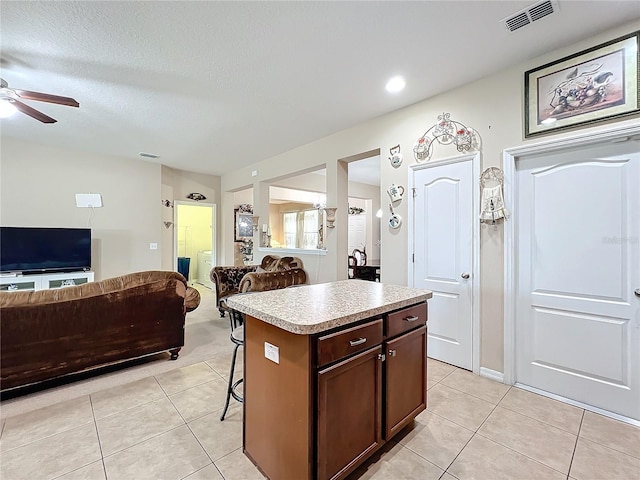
x=310 y=309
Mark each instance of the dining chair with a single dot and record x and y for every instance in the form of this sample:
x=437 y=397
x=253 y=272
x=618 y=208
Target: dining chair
x=353 y=263
x=361 y=256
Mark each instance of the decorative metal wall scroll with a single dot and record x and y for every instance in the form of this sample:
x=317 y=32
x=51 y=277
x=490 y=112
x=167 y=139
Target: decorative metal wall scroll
x=445 y=132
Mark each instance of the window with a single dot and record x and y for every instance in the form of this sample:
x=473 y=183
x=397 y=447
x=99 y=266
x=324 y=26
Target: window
x=301 y=229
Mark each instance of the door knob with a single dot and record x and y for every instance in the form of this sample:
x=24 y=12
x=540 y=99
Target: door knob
x=637 y=292
x=465 y=275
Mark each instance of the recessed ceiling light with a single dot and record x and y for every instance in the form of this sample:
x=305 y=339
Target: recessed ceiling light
x=395 y=84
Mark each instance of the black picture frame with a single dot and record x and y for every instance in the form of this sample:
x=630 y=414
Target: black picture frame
x=594 y=85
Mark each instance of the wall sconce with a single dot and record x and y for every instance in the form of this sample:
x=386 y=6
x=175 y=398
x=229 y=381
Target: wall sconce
x=255 y=219
x=331 y=216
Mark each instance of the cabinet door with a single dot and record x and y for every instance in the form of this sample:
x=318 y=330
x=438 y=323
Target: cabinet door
x=406 y=379
x=349 y=412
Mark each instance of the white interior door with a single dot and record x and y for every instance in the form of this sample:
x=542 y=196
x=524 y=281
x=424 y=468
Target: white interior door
x=443 y=262
x=577 y=325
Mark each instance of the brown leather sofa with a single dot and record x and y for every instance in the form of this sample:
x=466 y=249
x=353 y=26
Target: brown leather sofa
x=50 y=333
x=227 y=280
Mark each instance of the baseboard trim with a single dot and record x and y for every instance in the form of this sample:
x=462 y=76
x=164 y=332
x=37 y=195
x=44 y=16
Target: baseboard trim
x=492 y=374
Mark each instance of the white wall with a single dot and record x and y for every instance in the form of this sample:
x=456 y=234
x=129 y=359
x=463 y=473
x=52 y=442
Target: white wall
x=38 y=186
x=492 y=106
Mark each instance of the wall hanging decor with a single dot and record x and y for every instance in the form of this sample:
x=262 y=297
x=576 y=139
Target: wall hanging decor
x=167 y=224
x=492 y=200
x=396 y=156
x=445 y=132
x=395 y=220
x=356 y=211
x=330 y=212
x=167 y=203
x=395 y=192
x=590 y=86
x=243 y=225
x=196 y=196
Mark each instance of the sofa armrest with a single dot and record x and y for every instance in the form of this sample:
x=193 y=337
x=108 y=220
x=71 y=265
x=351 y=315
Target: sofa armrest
x=227 y=279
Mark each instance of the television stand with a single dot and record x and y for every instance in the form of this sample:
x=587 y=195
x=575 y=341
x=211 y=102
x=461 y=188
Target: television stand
x=44 y=281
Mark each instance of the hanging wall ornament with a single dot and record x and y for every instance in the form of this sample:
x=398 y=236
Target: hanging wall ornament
x=196 y=196
x=396 y=156
x=445 y=132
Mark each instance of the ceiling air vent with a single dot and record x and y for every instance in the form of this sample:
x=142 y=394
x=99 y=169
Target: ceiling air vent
x=530 y=14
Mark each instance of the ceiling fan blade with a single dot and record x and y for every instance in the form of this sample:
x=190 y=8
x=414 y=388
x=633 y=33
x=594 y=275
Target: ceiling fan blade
x=32 y=112
x=45 y=97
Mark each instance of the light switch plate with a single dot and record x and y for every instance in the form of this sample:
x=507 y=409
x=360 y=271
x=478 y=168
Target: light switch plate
x=153 y=246
x=272 y=352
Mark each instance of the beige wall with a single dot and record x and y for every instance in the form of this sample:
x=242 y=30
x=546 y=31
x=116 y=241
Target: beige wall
x=491 y=106
x=176 y=185
x=38 y=186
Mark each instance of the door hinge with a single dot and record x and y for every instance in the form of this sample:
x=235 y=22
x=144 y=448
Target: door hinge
x=413 y=258
x=414 y=190
x=382 y=357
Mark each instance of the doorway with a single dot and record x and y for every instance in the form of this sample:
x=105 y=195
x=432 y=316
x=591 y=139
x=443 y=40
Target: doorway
x=444 y=235
x=194 y=242
x=575 y=323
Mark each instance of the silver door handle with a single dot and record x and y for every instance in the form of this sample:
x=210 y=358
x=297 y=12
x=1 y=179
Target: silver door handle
x=358 y=341
x=637 y=292
x=411 y=319
x=465 y=275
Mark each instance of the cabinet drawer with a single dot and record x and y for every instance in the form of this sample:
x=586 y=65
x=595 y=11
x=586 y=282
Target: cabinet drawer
x=356 y=339
x=406 y=319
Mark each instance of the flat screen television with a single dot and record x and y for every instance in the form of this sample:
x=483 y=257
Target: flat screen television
x=33 y=250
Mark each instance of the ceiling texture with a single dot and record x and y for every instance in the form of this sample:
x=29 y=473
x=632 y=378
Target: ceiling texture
x=211 y=86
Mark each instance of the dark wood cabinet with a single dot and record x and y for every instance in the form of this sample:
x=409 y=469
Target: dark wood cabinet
x=384 y=386
x=349 y=412
x=405 y=379
x=333 y=398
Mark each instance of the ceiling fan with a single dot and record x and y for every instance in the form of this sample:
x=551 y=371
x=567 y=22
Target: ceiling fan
x=12 y=97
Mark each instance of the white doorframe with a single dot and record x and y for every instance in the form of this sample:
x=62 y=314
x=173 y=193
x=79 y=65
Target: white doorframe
x=475 y=276
x=510 y=157
x=175 y=230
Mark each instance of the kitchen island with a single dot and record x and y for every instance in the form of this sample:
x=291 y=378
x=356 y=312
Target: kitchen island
x=331 y=373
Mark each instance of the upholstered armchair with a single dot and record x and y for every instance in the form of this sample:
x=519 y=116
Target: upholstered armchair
x=227 y=279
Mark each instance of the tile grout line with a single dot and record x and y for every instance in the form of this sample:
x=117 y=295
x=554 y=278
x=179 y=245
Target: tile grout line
x=538 y=420
x=575 y=447
x=524 y=454
x=95 y=423
x=475 y=432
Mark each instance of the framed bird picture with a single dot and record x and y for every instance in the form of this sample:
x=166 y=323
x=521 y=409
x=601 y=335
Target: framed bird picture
x=590 y=86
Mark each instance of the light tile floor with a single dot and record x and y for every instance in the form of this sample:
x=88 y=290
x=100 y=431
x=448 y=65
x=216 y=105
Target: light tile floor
x=167 y=426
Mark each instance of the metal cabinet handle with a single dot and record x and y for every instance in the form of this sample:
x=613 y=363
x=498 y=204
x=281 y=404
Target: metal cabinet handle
x=392 y=353
x=410 y=319
x=637 y=292
x=358 y=341
x=465 y=275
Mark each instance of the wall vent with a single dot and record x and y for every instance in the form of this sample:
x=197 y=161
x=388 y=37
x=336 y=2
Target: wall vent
x=530 y=14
